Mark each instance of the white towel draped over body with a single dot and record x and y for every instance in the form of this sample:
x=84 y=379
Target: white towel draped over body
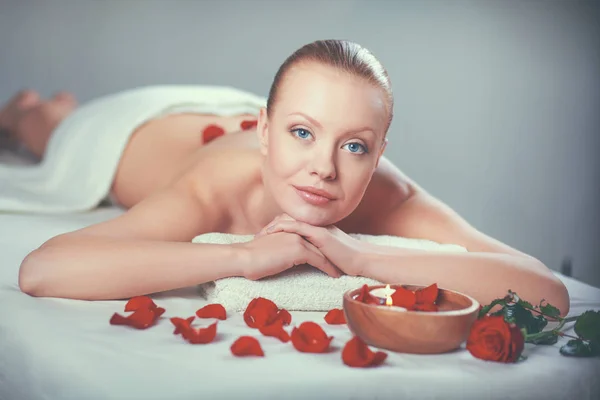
x=302 y=288
x=82 y=156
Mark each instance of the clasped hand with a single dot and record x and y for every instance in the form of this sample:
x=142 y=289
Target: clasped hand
x=285 y=242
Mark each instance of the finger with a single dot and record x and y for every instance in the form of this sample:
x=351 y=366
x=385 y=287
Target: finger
x=309 y=232
x=318 y=260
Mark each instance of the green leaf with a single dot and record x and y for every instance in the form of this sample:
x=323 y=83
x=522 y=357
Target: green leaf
x=587 y=326
x=546 y=338
x=579 y=348
x=526 y=304
x=486 y=309
x=550 y=310
x=524 y=318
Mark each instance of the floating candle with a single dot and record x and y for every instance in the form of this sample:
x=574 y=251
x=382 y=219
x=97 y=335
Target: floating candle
x=382 y=292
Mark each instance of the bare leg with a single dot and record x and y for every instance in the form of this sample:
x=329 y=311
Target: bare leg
x=31 y=121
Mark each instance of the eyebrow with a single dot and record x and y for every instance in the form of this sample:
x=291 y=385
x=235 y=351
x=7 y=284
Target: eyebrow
x=318 y=125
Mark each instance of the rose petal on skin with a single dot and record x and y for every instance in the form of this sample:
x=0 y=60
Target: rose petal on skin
x=275 y=330
x=246 y=346
x=181 y=324
x=365 y=297
x=309 y=337
x=138 y=302
x=212 y=311
x=427 y=295
x=211 y=132
x=248 y=124
x=403 y=297
x=141 y=318
x=200 y=335
x=335 y=317
x=358 y=355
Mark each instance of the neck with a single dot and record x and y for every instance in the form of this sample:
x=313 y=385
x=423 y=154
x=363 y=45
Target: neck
x=262 y=205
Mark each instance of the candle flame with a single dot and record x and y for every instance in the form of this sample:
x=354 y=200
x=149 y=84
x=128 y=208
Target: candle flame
x=388 y=301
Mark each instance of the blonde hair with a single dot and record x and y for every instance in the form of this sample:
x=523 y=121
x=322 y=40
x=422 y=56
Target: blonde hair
x=346 y=56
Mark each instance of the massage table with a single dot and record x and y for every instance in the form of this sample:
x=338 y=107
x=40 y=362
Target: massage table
x=66 y=349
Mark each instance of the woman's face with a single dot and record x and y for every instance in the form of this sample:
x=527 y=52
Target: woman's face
x=322 y=142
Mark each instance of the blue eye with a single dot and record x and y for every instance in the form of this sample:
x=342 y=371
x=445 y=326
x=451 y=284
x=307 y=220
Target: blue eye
x=301 y=133
x=356 y=148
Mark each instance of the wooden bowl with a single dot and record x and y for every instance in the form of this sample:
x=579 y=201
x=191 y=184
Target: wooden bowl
x=417 y=332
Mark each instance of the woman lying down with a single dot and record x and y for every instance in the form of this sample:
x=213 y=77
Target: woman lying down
x=300 y=172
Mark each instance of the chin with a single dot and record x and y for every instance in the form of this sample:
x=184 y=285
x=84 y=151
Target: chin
x=312 y=216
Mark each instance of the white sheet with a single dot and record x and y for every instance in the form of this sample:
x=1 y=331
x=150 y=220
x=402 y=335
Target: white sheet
x=65 y=349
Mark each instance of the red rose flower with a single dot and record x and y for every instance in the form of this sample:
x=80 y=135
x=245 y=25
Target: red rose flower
x=492 y=338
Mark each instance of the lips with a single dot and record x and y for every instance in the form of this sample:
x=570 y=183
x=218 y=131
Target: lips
x=313 y=195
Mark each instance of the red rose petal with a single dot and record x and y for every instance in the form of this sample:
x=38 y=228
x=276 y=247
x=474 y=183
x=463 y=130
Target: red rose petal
x=200 y=335
x=135 y=303
x=335 y=317
x=141 y=318
x=284 y=316
x=403 y=297
x=260 y=312
x=275 y=330
x=427 y=295
x=358 y=355
x=211 y=132
x=181 y=324
x=248 y=124
x=365 y=296
x=212 y=311
x=309 y=337
x=247 y=346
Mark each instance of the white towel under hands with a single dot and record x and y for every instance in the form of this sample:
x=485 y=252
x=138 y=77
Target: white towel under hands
x=301 y=288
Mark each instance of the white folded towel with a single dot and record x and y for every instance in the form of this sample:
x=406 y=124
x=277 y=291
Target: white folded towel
x=302 y=288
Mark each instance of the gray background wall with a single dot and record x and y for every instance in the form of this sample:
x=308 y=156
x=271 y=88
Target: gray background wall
x=498 y=102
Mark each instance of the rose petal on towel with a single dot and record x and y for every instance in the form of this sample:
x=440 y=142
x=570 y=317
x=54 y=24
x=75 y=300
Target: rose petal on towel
x=248 y=124
x=211 y=132
x=212 y=311
x=365 y=296
x=309 y=337
x=275 y=330
x=181 y=324
x=247 y=346
x=427 y=295
x=285 y=316
x=335 y=317
x=260 y=312
x=357 y=354
x=403 y=297
x=141 y=318
x=138 y=302
x=199 y=335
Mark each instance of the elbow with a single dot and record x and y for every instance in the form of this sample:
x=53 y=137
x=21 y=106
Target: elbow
x=555 y=292
x=29 y=273
x=559 y=296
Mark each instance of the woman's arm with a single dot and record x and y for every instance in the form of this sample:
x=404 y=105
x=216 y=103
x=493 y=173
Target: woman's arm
x=487 y=272
x=145 y=250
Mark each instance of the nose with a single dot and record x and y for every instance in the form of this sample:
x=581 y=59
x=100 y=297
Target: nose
x=323 y=165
